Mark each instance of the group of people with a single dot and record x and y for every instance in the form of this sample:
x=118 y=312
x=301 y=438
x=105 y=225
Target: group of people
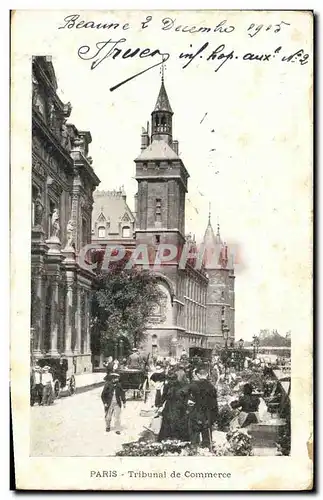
x=41 y=383
x=182 y=398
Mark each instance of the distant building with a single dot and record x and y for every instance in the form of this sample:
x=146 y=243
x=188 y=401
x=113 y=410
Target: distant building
x=63 y=181
x=196 y=301
x=112 y=218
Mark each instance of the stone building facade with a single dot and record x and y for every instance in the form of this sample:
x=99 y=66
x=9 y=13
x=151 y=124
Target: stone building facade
x=63 y=182
x=196 y=301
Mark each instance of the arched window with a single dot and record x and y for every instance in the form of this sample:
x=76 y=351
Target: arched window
x=126 y=232
x=101 y=232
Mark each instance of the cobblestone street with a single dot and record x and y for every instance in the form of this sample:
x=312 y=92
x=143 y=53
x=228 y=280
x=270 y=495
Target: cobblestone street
x=74 y=426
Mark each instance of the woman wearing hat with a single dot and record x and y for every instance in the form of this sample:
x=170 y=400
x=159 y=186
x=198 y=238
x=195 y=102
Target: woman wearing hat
x=157 y=381
x=248 y=404
x=174 y=413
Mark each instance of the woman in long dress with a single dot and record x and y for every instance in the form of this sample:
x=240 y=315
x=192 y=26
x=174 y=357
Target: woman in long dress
x=174 y=414
x=156 y=383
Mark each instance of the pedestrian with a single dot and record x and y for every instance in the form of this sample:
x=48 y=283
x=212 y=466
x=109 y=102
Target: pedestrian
x=47 y=382
x=174 y=404
x=248 y=404
x=157 y=381
x=38 y=385
x=113 y=397
x=202 y=409
x=134 y=360
x=215 y=375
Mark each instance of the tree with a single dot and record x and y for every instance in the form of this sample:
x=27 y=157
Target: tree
x=122 y=302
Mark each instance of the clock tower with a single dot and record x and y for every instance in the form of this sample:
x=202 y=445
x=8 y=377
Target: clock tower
x=162 y=180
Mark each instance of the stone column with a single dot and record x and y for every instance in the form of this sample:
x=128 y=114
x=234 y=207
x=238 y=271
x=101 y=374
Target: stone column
x=78 y=320
x=38 y=339
x=86 y=322
x=69 y=318
x=53 y=351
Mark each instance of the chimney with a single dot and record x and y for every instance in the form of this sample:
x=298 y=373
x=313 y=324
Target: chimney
x=175 y=146
x=144 y=139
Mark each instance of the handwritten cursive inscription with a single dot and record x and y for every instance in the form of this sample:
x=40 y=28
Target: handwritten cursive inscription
x=111 y=49
x=170 y=24
x=217 y=55
x=73 y=21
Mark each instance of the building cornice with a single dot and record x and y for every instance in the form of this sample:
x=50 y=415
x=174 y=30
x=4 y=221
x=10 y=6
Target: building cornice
x=49 y=137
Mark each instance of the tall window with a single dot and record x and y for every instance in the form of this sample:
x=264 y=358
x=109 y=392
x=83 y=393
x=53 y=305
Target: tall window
x=126 y=232
x=158 y=210
x=101 y=232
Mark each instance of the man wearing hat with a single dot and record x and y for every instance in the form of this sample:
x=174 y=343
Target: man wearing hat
x=134 y=360
x=47 y=380
x=113 y=397
x=38 y=385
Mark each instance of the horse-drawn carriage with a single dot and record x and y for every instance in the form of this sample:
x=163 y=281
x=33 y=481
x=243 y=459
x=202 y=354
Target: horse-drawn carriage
x=135 y=380
x=62 y=373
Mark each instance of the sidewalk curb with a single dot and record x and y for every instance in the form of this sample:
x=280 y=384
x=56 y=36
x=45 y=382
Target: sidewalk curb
x=79 y=390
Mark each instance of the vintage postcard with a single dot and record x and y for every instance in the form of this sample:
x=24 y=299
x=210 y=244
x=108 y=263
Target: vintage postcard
x=161 y=239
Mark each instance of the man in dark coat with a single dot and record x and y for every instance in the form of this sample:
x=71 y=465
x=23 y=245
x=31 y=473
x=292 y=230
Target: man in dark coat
x=203 y=408
x=134 y=360
x=113 y=397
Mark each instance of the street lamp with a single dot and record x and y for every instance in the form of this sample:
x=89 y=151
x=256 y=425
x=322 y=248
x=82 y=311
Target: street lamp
x=225 y=331
x=255 y=345
x=240 y=344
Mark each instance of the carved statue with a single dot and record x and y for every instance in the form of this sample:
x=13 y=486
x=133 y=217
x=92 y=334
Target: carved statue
x=65 y=136
x=69 y=233
x=67 y=109
x=55 y=223
x=35 y=90
x=79 y=144
x=52 y=116
x=39 y=210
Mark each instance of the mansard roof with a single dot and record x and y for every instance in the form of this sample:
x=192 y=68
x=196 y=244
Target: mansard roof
x=111 y=206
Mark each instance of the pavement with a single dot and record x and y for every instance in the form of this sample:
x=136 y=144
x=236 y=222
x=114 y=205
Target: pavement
x=74 y=427
x=87 y=381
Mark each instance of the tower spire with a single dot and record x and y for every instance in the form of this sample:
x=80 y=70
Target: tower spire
x=162 y=71
x=218 y=236
x=209 y=221
x=161 y=117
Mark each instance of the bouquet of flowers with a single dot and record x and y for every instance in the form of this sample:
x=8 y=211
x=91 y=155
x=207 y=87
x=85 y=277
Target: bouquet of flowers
x=226 y=414
x=149 y=449
x=240 y=443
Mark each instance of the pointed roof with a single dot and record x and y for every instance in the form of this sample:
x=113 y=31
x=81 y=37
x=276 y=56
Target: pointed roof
x=158 y=150
x=162 y=103
x=218 y=237
x=209 y=239
x=213 y=245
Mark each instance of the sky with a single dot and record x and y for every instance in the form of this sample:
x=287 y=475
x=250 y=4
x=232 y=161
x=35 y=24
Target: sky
x=250 y=157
